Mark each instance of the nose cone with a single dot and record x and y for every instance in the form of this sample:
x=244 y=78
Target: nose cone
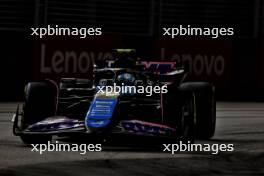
x=100 y=112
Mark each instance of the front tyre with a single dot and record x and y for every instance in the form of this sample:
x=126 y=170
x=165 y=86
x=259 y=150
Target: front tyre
x=186 y=120
x=180 y=112
x=205 y=108
x=40 y=103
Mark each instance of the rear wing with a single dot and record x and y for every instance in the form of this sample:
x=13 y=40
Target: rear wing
x=157 y=67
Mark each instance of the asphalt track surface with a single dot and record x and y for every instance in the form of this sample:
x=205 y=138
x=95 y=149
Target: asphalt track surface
x=241 y=124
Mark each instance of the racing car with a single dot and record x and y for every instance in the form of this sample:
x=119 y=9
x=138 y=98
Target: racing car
x=184 y=110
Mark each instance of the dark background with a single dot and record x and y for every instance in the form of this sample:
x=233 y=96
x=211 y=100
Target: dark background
x=136 y=24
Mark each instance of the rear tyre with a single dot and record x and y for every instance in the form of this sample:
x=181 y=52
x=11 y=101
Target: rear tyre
x=40 y=103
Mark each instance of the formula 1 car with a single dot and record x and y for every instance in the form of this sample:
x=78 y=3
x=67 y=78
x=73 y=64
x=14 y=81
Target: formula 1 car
x=184 y=110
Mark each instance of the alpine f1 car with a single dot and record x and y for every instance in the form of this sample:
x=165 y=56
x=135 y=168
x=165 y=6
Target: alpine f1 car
x=184 y=110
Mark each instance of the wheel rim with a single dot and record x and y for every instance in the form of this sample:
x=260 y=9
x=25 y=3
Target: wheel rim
x=188 y=111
